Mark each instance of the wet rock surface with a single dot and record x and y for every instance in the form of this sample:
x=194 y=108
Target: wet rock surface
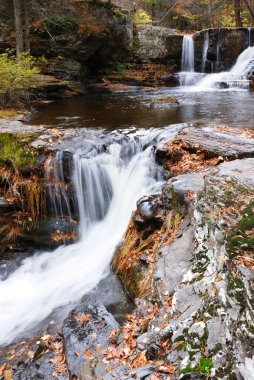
x=82 y=336
x=220 y=141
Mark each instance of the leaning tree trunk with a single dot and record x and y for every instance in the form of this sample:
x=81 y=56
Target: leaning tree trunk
x=17 y=4
x=238 y=20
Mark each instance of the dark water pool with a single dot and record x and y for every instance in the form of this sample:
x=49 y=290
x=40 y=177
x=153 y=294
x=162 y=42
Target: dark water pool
x=125 y=109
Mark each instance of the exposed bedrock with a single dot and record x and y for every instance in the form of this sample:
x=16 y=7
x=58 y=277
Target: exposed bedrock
x=200 y=263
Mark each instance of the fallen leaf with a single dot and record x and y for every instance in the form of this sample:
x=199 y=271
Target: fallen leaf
x=84 y=318
x=167 y=368
x=87 y=354
x=7 y=375
x=2 y=368
x=58 y=359
x=139 y=360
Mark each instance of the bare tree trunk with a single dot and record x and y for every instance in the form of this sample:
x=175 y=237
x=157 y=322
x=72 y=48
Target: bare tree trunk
x=153 y=11
x=26 y=26
x=250 y=10
x=238 y=20
x=17 y=4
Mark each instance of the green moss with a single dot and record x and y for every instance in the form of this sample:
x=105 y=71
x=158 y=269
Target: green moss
x=241 y=238
x=236 y=289
x=60 y=24
x=15 y=148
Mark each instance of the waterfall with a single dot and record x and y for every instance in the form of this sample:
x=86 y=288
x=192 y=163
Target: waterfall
x=59 y=203
x=188 y=54
x=187 y=74
x=107 y=183
x=218 y=63
x=249 y=37
x=205 y=51
x=238 y=76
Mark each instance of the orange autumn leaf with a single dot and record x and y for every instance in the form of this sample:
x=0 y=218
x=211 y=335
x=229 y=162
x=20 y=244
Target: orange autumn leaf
x=87 y=354
x=2 y=368
x=84 y=318
x=167 y=368
x=58 y=359
x=139 y=360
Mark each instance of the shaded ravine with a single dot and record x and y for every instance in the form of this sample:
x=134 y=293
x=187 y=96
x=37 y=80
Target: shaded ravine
x=124 y=171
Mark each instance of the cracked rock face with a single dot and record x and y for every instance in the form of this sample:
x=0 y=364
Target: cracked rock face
x=212 y=315
x=210 y=324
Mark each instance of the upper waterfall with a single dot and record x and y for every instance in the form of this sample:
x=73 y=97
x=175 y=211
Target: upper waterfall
x=187 y=74
x=188 y=54
x=205 y=51
x=238 y=76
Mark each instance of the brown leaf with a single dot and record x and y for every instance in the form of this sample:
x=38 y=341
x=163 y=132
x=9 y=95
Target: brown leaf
x=30 y=354
x=58 y=359
x=87 y=354
x=84 y=318
x=167 y=368
x=7 y=375
x=139 y=360
x=2 y=368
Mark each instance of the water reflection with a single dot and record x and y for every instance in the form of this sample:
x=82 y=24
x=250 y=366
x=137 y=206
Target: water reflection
x=125 y=109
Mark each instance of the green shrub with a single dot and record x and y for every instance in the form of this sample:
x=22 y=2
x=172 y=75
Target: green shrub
x=5 y=29
x=141 y=16
x=16 y=76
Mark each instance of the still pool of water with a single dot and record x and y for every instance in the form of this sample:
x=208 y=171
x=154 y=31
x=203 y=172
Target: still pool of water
x=126 y=109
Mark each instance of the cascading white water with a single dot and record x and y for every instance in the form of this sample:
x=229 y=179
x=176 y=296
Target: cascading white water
x=205 y=51
x=187 y=54
x=59 y=201
x=187 y=75
x=236 y=77
x=107 y=186
x=218 y=61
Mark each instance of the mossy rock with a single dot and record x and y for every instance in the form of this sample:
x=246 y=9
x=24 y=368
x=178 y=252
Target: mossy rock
x=241 y=239
x=15 y=149
x=169 y=100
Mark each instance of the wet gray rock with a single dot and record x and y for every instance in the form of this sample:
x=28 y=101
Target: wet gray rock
x=219 y=142
x=39 y=144
x=169 y=271
x=150 y=213
x=79 y=337
x=181 y=186
x=150 y=207
x=143 y=372
x=240 y=170
x=164 y=101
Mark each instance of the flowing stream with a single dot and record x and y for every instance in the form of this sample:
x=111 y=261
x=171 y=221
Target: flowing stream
x=107 y=185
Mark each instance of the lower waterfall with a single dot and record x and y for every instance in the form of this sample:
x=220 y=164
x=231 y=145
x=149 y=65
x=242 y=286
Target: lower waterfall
x=107 y=185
